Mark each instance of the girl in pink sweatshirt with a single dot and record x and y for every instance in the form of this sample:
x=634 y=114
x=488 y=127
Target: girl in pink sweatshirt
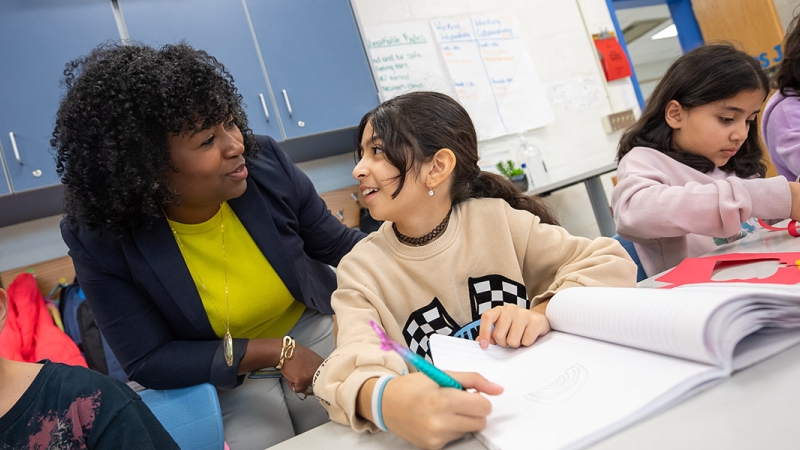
x=690 y=170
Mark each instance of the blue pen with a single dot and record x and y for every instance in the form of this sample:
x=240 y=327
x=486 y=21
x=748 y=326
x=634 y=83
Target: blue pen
x=441 y=378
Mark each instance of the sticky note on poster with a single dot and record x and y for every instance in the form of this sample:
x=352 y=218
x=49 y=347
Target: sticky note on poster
x=493 y=73
x=404 y=57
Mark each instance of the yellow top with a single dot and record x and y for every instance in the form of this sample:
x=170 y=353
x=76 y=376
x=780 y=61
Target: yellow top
x=260 y=304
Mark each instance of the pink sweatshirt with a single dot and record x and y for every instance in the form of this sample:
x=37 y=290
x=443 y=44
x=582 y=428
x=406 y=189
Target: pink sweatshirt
x=671 y=211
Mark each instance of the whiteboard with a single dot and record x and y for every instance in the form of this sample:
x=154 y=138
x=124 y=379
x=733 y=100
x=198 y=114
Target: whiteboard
x=557 y=35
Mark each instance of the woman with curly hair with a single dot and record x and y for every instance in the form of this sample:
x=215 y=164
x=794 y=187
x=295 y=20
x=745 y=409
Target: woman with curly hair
x=202 y=250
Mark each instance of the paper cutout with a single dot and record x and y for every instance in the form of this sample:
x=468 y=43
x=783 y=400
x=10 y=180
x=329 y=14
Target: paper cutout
x=700 y=270
x=791 y=227
x=612 y=58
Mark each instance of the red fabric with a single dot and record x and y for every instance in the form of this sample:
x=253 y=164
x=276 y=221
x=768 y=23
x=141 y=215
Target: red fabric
x=30 y=334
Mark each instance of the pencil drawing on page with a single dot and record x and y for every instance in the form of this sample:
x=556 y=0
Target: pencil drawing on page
x=563 y=387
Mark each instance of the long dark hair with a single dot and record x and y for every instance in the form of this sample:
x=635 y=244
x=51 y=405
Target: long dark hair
x=707 y=74
x=788 y=79
x=121 y=104
x=414 y=126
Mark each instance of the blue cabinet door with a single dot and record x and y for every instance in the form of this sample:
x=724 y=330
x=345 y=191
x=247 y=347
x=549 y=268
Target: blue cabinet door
x=5 y=185
x=37 y=39
x=313 y=52
x=220 y=28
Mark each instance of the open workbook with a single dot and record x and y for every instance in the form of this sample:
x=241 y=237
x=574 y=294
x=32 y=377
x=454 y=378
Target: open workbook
x=617 y=355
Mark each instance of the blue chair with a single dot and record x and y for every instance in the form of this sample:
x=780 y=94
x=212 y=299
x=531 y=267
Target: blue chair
x=628 y=246
x=191 y=415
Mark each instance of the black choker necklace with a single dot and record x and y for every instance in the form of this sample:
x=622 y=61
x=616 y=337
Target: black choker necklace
x=420 y=241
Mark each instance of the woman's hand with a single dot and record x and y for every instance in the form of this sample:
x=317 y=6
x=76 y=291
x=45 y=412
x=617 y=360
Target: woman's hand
x=299 y=371
x=429 y=416
x=513 y=326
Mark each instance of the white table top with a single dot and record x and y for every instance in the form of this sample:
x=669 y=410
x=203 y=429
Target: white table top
x=758 y=407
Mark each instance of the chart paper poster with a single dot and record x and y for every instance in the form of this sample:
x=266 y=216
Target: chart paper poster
x=493 y=73
x=405 y=57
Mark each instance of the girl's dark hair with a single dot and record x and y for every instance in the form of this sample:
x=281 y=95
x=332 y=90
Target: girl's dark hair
x=707 y=74
x=788 y=79
x=121 y=105
x=414 y=126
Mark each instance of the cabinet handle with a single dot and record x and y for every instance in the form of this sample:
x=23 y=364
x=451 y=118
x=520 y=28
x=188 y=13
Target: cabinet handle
x=286 y=99
x=14 y=147
x=264 y=105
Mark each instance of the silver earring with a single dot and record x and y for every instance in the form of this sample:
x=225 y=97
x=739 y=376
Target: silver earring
x=430 y=192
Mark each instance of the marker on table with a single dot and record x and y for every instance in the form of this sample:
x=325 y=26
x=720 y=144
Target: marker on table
x=441 y=378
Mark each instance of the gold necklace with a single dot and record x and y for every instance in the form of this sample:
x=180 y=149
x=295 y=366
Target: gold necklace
x=227 y=340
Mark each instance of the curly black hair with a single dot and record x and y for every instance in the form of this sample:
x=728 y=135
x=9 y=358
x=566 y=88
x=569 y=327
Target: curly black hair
x=121 y=105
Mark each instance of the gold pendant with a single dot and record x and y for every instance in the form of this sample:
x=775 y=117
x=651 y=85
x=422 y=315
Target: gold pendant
x=228 y=343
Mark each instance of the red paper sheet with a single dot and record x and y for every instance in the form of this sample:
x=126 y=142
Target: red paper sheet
x=700 y=270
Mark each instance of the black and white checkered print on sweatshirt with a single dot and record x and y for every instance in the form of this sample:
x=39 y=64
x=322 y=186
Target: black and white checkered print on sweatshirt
x=425 y=321
x=491 y=291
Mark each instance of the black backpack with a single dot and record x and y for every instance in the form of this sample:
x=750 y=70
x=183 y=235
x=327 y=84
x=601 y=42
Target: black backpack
x=79 y=324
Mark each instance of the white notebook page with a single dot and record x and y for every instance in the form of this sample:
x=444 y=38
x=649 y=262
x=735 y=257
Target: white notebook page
x=669 y=321
x=567 y=391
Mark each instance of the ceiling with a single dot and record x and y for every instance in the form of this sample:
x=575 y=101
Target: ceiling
x=649 y=20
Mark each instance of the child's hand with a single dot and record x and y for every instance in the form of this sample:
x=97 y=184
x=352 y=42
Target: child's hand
x=794 y=188
x=513 y=326
x=429 y=416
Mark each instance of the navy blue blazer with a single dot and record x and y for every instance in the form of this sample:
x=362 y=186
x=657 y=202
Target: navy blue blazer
x=146 y=303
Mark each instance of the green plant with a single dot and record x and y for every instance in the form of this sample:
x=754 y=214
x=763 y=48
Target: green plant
x=509 y=169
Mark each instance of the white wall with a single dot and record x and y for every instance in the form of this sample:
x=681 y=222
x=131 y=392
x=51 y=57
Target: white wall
x=787 y=9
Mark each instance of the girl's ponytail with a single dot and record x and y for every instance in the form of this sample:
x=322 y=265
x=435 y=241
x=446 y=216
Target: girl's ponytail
x=490 y=185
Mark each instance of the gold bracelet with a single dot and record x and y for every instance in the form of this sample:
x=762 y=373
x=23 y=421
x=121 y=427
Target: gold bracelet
x=287 y=351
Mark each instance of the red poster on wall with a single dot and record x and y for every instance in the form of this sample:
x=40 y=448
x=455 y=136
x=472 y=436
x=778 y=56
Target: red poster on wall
x=612 y=58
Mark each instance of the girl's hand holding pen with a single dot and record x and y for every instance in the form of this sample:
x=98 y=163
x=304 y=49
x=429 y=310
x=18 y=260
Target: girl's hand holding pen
x=513 y=326
x=428 y=408
x=429 y=416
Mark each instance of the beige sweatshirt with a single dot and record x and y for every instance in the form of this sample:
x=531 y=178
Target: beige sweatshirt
x=490 y=254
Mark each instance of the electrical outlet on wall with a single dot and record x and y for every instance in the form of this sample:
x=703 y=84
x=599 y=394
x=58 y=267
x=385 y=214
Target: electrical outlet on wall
x=618 y=120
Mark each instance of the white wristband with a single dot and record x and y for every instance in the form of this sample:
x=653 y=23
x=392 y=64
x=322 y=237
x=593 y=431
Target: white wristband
x=377 y=401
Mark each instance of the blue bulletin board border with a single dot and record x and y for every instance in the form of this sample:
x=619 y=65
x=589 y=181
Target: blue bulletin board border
x=689 y=34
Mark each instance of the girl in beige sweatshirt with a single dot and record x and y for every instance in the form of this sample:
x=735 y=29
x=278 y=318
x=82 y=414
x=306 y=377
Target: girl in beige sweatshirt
x=457 y=246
